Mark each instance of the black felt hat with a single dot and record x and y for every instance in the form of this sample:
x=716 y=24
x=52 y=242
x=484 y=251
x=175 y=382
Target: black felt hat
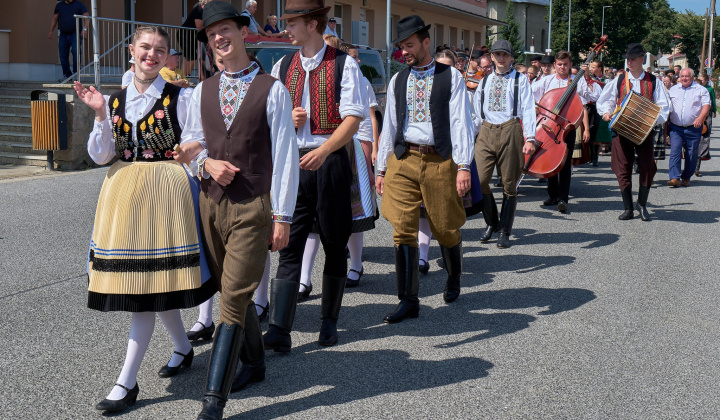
x=536 y=57
x=477 y=54
x=408 y=26
x=214 y=12
x=634 y=50
x=547 y=59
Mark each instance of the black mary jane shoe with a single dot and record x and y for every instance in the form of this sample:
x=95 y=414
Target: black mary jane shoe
x=424 y=266
x=550 y=201
x=119 y=405
x=205 y=334
x=305 y=292
x=262 y=315
x=354 y=283
x=168 y=372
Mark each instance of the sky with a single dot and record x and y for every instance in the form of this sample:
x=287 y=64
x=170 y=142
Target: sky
x=697 y=6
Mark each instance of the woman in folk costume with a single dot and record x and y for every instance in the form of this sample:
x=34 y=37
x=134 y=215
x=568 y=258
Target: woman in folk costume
x=146 y=256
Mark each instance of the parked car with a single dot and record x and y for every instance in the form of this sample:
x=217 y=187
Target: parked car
x=371 y=65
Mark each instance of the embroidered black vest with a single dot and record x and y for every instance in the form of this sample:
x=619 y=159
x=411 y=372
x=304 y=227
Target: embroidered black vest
x=156 y=133
x=325 y=88
x=439 y=110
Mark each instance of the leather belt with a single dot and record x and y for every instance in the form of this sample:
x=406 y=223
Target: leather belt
x=424 y=149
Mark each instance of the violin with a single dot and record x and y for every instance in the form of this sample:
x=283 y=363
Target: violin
x=559 y=112
x=472 y=81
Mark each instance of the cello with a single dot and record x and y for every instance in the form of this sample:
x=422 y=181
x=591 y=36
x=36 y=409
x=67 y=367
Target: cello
x=558 y=112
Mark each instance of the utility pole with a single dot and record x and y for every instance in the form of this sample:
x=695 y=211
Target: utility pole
x=549 y=29
x=569 y=19
x=712 y=36
x=602 y=27
x=702 y=54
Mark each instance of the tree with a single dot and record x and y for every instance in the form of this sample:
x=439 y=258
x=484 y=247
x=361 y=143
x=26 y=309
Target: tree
x=512 y=33
x=690 y=30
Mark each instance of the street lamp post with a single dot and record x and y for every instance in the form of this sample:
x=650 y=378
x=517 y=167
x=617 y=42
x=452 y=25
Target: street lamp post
x=569 y=20
x=549 y=29
x=602 y=26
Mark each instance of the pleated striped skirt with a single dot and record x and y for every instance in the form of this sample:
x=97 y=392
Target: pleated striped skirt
x=362 y=191
x=146 y=252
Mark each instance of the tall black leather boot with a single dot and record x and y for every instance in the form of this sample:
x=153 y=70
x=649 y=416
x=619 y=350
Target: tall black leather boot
x=407 y=275
x=252 y=355
x=221 y=369
x=332 y=294
x=490 y=214
x=283 y=301
x=641 y=202
x=507 y=218
x=627 y=204
x=453 y=265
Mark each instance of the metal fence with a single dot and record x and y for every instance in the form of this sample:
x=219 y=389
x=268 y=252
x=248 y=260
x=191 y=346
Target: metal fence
x=114 y=37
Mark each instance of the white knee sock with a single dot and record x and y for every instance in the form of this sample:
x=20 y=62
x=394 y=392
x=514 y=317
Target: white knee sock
x=141 y=329
x=205 y=315
x=424 y=236
x=355 y=245
x=311 y=249
x=174 y=326
x=261 y=295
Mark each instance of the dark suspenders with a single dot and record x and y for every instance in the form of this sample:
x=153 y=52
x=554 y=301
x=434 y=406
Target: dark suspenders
x=515 y=95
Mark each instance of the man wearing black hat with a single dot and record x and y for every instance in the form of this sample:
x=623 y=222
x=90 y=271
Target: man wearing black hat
x=505 y=97
x=248 y=167
x=559 y=185
x=330 y=29
x=623 y=150
x=424 y=155
x=328 y=105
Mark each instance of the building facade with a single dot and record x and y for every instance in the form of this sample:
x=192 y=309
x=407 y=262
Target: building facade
x=26 y=53
x=531 y=17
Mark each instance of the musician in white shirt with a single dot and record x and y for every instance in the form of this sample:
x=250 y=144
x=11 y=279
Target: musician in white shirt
x=559 y=185
x=623 y=150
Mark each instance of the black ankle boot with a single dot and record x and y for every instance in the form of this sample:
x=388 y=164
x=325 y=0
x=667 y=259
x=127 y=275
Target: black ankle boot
x=641 y=202
x=507 y=218
x=407 y=273
x=221 y=369
x=332 y=294
x=453 y=265
x=283 y=301
x=490 y=214
x=252 y=355
x=627 y=204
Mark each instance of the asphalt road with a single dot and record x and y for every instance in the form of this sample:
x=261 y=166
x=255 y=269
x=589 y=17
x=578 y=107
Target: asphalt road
x=584 y=317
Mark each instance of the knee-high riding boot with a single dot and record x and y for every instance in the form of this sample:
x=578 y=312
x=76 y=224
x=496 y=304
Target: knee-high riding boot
x=490 y=214
x=453 y=265
x=332 y=295
x=627 y=204
x=252 y=355
x=407 y=274
x=221 y=369
x=641 y=202
x=507 y=218
x=283 y=301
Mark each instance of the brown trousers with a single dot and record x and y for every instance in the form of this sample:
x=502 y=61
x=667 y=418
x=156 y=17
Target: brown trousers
x=410 y=180
x=237 y=236
x=501 y=145
x=622 y=157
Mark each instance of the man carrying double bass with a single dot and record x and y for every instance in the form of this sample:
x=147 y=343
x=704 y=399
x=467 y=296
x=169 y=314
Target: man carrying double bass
x=503 y=99
x=623 y=150
x=559 y=185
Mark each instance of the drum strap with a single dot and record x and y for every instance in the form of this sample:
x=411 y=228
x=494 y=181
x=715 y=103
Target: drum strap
x=515 y=95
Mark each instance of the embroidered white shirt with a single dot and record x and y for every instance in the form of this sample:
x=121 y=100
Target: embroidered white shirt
x=498 y=102
x=461 y=125
x=607 y=102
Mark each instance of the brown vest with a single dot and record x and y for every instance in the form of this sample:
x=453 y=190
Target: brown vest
x=247 y=143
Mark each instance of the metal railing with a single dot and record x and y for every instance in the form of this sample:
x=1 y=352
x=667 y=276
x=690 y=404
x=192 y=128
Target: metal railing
x=114 y=37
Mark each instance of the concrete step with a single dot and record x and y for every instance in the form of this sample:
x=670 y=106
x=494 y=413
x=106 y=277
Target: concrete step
x=20 y=92
x=23 y=85
x=15 y=137
x=17 y=100
x=24 y=159
x=19 y=147
x=16 y=127
x=15 y=117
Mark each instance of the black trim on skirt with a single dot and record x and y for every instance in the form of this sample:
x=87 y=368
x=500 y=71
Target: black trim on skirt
x=153 y=302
